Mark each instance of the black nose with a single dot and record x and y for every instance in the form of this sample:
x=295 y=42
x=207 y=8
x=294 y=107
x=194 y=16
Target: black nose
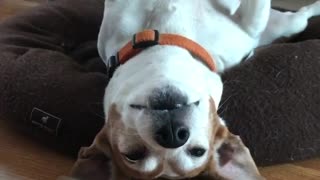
x=169 y=111
x=172 y=135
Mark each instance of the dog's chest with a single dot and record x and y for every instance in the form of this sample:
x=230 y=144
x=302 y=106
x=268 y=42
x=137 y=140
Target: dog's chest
x=201 y=21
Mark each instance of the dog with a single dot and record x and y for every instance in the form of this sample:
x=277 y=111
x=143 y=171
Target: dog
x=165 y=57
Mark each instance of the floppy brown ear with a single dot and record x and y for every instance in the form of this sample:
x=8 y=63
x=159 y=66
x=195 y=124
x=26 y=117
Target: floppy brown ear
x=95 y=162
x=92 y=164
x=232 y=160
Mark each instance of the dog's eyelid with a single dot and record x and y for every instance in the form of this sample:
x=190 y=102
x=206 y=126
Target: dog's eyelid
x=131 y=161
x=197 y=152
x=136 y=155
x=138 y=107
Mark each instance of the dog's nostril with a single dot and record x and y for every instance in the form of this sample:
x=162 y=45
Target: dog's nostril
x=182 y=133
x=170 y=136
x=163 y=136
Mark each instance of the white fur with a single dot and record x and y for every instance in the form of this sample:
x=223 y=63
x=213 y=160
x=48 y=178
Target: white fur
x=229 y=31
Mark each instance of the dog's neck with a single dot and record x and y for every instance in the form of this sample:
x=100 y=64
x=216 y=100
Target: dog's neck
x=148 y=38
x=197 y=20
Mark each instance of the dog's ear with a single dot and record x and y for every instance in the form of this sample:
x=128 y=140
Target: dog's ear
x=92 y=164
x=95 y=162
x=232 y=159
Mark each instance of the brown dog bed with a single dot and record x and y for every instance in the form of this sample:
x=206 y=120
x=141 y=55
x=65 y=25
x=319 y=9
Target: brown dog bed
x=52 y=84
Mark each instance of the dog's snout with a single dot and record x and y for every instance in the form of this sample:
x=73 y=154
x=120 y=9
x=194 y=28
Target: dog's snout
x=169 y=110
x=170 y=126
x=172 y=135
x=167 y=98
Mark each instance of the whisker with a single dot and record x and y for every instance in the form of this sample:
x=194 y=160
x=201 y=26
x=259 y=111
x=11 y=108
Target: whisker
x=225 y=101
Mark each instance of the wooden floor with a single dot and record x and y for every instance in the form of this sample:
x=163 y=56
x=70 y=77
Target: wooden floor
x=10 y=7
x=23 y=159
x=307 y=170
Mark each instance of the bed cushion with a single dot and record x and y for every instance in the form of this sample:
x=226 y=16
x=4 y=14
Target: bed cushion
x=52 y=83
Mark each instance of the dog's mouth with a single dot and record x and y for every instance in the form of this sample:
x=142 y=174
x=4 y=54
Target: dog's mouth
x=170 y=123
x=164 y=108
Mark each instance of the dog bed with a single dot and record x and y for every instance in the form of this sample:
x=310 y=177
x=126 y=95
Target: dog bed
x=52 y=83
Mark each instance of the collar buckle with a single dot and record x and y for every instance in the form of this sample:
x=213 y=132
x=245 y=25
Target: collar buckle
x=145 y=39
x=113 y=64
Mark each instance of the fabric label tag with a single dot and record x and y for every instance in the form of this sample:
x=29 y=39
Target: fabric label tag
x=45 y=121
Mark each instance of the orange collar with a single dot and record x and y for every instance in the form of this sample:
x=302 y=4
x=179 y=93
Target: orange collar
x=147 y=38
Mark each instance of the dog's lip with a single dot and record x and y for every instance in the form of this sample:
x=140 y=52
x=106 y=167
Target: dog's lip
x=138 y=107
x=177 y=106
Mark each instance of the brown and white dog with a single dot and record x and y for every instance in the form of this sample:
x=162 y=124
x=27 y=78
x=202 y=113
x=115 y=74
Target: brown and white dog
x=160 y=105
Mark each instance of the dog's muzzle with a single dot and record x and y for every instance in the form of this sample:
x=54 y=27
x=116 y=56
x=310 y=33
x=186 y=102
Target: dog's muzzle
x=168 y=110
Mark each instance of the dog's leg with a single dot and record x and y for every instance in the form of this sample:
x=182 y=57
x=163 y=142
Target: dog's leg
x=286 y=24
x=254 y=15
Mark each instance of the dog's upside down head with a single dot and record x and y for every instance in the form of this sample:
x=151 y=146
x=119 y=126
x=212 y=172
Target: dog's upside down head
x=216 y=155
x=162 y=122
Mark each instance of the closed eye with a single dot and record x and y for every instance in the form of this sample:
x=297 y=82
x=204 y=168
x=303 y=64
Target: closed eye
x=197 y=152
x=136 y=155
x=138 y=107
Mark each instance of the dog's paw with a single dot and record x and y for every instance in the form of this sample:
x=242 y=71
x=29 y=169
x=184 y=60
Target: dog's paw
x=313 y=9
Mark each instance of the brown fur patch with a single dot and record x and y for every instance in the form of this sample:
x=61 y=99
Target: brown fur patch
x=121 y=168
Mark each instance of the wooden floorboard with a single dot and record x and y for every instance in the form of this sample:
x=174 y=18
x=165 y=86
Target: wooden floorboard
x=23 y=159
x=312 y=164
x=308 y=170
x=10 y=7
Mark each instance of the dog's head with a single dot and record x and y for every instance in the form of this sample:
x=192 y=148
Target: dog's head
x=216 y=155
x=161 y=118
